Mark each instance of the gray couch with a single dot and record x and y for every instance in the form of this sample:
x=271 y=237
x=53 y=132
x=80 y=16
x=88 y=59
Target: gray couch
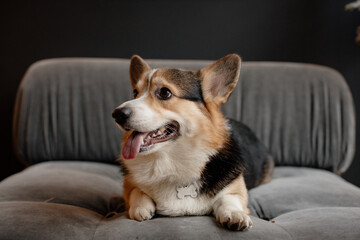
x=72 y=189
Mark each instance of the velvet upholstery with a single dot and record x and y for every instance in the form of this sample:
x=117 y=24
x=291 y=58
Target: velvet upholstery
x=68 y=104
x=72 y=188
x=83 y=200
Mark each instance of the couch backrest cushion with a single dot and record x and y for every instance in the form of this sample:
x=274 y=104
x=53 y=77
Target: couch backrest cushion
x=303 y=113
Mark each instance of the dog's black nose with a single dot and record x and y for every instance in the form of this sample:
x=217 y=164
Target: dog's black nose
x=121 y=115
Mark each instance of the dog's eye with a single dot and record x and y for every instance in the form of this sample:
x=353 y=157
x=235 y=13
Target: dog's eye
x=135 y=93
x=164 y=93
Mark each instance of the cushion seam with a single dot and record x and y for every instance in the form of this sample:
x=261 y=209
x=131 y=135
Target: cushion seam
x=291 y=236
x=96 y=227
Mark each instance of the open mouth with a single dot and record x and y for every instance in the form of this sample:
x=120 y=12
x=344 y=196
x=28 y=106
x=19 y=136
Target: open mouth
x=144 y=141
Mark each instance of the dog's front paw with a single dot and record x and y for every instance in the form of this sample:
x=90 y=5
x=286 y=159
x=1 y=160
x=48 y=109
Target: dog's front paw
x=235 y=220
x=141 y=213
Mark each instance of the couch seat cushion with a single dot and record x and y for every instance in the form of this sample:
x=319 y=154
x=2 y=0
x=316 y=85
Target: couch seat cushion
x=83 y=200
x=94 y=186
x=321 y=223
x=297 y=188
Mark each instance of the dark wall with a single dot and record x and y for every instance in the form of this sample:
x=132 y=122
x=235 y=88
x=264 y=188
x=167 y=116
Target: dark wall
x=310 y=31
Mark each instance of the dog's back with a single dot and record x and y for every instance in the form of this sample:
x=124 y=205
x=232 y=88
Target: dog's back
x=258 y=163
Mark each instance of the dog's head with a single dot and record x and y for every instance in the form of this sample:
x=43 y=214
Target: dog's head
x=176 y=106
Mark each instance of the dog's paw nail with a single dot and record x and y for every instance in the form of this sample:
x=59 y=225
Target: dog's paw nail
x=236 y=221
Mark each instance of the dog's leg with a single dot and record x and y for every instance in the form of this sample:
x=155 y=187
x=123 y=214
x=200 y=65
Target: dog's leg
x=231 y=210
x=231 y=214
x=140 y=206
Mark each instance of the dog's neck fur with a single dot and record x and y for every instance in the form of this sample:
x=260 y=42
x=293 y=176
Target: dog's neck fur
x=170 y=164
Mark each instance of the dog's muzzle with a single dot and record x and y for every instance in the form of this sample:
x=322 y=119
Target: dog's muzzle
x=121 y=116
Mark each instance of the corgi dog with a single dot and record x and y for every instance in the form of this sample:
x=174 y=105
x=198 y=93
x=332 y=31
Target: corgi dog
x=180 y=155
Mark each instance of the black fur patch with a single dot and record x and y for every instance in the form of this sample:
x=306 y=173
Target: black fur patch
x=188 y=82
x=223 y=168
x=243 y=153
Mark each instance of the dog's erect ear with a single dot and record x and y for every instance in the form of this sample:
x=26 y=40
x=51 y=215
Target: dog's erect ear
x=220 y=78
x=137 y=68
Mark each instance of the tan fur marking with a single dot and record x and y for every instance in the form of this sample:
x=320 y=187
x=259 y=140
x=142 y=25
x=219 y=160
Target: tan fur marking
x=238 y=188
x=128 y=187
x=218 y=122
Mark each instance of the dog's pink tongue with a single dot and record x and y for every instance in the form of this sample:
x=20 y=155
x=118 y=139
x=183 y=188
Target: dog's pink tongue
x=132 y=146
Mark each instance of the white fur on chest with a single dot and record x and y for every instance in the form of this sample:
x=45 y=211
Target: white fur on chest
x=161 y=174
x=168 y=203
x=181 y=163
x=165 y=196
